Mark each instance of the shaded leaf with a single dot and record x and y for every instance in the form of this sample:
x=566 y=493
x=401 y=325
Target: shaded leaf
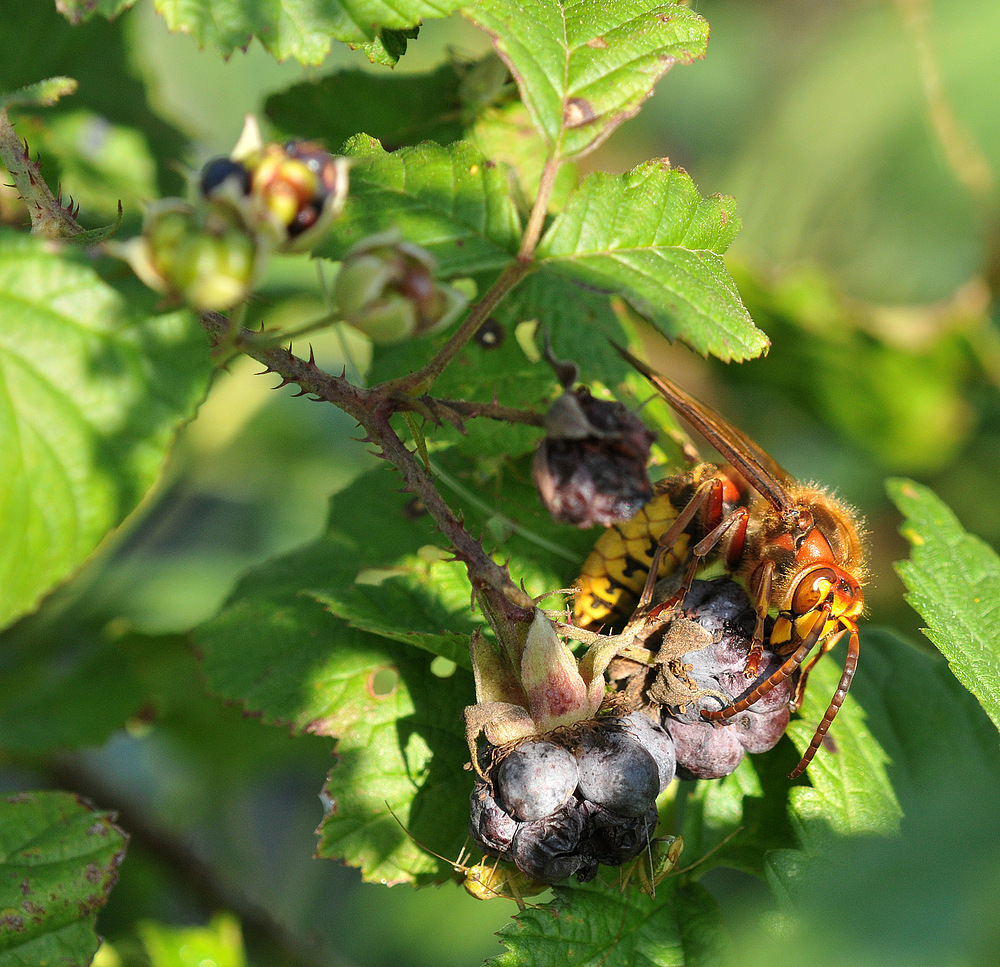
x=942 y=760
x=650 y=237
x=387 y=46
x=595 y=925
x=452 y=201
x=953 y=580
x=583 y=68
x=504 y=133
x=304 y=32
x=58 y=863
x=94 y=387
x=72 y=683
x=507 y=364
x=397 y=608
x=401 y=109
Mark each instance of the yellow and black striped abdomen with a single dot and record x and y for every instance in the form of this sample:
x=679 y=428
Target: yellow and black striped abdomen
x=613 y=576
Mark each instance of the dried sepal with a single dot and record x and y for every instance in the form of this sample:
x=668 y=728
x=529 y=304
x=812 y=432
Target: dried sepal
x=590 y=468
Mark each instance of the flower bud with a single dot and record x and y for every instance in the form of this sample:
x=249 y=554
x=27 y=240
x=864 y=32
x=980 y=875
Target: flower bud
x=386 y=288
x=204 y=255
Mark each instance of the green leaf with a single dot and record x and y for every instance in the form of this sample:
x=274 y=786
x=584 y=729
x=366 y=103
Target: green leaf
x=58 y=863
x=584 y=68
x=452 y=201
x=595 y=925
x=650 y=237
x=78 y=11
x=92 y=390
x=388 y=46
x=401 y=109
x=279 y=649
x=509 y=366
x=398 y=608
x=938 y=750
x=220 y=944
x=304 y=32
x=505 y=134
x=953 y=581
x=889 y=748
x=399 y=727
x=43 y=94
x=851 y=792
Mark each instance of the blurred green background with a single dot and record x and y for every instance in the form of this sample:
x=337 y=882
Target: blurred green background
x=862 y=255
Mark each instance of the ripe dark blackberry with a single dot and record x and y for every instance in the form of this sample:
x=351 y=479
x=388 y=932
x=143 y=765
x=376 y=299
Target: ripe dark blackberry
x=565 y=804
x=617 y=772
x=534 y=780
x=702 y=658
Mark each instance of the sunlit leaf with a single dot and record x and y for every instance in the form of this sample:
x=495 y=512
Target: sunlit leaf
x=78 y=11
x=595 y=924
x=94 y=387
x=584 y=68
x=650 y=237
x=220 y=944
x=305 y=32
x=43 y=94
x=953 y=580
x=452 y=201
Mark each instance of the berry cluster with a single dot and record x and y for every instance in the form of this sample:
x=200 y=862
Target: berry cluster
x=700 y=660
x=567 y=803
x=564 y=803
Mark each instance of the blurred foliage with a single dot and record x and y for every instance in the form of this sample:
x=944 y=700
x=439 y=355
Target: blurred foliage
x=862 y=256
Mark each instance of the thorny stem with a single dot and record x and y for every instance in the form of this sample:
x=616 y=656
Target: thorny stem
x=507 y=607
x=49 y=217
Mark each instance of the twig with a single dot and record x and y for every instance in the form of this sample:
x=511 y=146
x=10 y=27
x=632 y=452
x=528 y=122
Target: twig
x=49 y=217
x=419 y=382
x=507 y=607
x=199 y=877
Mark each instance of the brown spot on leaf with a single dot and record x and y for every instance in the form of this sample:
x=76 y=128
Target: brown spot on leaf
x=25 y=887
x=93 y=873
x=11 y=921
x=598 y=43
x=578 y=112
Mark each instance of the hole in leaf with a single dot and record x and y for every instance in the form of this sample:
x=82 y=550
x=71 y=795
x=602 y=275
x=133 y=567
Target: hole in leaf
x=443 y=667
x=383 y=682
